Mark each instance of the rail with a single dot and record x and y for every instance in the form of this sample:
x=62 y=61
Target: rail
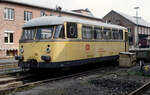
x=9 y=68
x=76 y=75
x=141 y=90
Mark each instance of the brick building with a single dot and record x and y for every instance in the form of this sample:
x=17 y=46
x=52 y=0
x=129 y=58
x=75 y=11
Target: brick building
x=137 y=35
x=14 y=13
x=84 y=11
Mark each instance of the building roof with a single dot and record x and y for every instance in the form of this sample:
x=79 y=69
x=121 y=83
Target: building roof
x=141 y=21
x=55 y=20
x=35 y=4
x=82 y=10
x=88 y=12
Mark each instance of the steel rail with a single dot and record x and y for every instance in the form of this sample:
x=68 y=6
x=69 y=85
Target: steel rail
x=140 y=90
x=77 y=75
x=14 y=79
x=7 y=63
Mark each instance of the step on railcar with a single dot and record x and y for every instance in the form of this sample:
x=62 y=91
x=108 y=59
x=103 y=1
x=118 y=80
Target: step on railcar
x=54 y=42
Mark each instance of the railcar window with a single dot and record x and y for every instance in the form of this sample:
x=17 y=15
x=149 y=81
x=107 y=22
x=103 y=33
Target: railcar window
x=59 y=32
x=72 y=30
x=98 y=33
x=120 y=34
x=28 y=34
x=87 y=32
x=46 y=33
x=110 y=35
x=115 y=34
x=104 y=35
x=107 y=34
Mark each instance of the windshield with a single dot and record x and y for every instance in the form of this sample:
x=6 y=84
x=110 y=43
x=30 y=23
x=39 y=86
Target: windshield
x=59 y=32
x=28 y=34
x=43 y=32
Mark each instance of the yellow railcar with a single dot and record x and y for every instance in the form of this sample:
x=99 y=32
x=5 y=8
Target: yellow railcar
x=54 y=42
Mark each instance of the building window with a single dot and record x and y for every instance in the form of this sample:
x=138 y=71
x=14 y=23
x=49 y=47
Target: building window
x=118 y=21
x=130 y=40
x=139 y=30
x=8 y=37
x=145 y=31
x=9 y=13
x=129 y=30
x=27 y=16
x=42 y=13
x=109 y=21
x=142 y=30
x=148 y=31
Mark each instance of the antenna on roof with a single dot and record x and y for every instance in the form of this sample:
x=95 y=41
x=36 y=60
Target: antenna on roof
x=87 y=9
x=59 y=8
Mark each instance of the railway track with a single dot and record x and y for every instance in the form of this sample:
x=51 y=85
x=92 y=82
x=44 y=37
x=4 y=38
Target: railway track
x=13 y=84
x=8 y=65
x=32 y=83
x=143 y=90
x=9 y=68
x=9 y=81
x=14 y=80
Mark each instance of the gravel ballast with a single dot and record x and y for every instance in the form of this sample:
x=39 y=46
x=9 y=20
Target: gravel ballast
x=120 y=81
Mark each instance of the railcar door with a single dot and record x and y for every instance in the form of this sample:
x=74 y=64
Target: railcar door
x=73 y=45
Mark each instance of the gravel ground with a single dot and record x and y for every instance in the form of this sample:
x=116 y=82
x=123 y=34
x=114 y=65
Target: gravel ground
x=110 y=82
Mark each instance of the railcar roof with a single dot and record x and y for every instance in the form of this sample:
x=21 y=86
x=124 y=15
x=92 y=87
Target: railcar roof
x=55 y=20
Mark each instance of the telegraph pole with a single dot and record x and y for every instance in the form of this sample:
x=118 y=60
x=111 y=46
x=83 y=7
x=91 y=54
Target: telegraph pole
x=137 y=24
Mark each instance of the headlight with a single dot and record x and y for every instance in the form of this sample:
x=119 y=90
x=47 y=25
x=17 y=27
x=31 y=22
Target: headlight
x=48 y=49
x=21 y=50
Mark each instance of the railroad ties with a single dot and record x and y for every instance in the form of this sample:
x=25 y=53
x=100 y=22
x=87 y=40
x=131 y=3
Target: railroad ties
x=32 y=80
x=9 y=68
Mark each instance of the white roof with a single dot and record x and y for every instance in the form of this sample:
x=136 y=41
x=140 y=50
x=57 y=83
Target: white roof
x=38 y=4
x=141 y=21
x=55 y=20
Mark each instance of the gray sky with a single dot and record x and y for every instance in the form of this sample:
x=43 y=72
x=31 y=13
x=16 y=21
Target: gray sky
x=101 y=7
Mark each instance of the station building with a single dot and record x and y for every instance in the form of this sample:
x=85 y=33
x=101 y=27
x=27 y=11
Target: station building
x=139 y=34
x=13 y=15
